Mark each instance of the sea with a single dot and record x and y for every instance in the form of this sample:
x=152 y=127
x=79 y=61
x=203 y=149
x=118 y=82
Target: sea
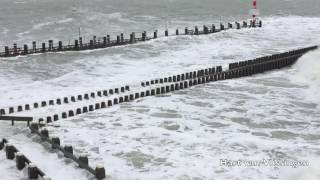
x=265 y=126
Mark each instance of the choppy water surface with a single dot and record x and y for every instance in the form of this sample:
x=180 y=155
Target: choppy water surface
x=274 y=115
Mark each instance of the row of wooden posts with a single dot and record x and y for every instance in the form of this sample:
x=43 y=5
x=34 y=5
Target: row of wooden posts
x=22 y=161
x=64 y=100
x=218 y=69
x=95 y=43
x=189 y=79
x=68 y=151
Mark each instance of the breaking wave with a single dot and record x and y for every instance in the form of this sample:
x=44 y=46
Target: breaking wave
x=308 y=74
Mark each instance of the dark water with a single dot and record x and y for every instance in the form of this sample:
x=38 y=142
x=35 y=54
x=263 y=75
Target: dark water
x=24 y=21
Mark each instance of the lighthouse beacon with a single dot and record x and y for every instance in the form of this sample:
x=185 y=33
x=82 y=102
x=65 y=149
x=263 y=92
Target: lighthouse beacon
x=254 y=12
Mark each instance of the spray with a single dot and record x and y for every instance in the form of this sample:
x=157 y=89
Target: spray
x=308 y=75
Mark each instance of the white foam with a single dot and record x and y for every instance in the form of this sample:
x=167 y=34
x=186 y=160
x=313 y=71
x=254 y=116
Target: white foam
x=8 y=168
x=44 y=24
x=308 y=74
x=311 y=172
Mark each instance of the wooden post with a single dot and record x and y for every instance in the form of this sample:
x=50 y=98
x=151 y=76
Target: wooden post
x=221 y=27
x=196 y=31
x=126 y=98
x=213 y=28
x=34 y=127
x=83 y=158
x=105 y=93
x=134 y=36
x=108 y=39
x=69 y=150
x=20 y=108
x=43 y=47
x=100 y=172
x=15 y=49
x=49 y=119
x=91 y=44
x=147 y=92
x=55 y=142
x=65 y=100
x=50 y=45
x=205 y=30
x=131 y=38
x=40 y=120
x=25 y=49
x=32 y=172
x=43 y=103
x=91 y=108
x=177 y=87
x=109 y=102
x=103 y=105
x=144 y=35
x=118 y=40
x=70 y=113
x=238 y=25
x=85 y=109
x=120 y=99
x=64 y=115
x=97 y=106
x=121 y=38
x=80 y=41
x=20 y=161
x=104 y=41
x=2 y=112
x=155 y=34
x=76 y=44
x=60 y=45
x=6 y=50
x=94 y=40
x=166 y=33
x=245 y=24
x=10 y=150
x=45 y=133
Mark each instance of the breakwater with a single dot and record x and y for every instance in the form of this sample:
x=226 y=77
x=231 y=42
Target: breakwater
x=22 y=162
x=120 y=40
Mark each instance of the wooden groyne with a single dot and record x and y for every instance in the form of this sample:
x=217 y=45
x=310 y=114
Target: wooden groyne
x=185 y=80
x=106 y=41
x=58 y=101
x=68 y=151
x=22 y=161
x=218 y=71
